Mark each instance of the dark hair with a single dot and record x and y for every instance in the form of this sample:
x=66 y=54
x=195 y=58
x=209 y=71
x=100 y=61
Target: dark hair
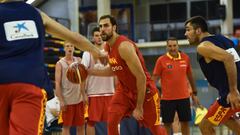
x=111 y=18
x=198 y=22
x=95 y=29
x=172 y=38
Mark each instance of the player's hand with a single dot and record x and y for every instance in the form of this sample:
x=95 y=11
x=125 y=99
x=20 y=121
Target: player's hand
x=138 y=113
x=85 y=99
x=99 y=54
x=196 y=101
x=62 y=106
x=233 y=98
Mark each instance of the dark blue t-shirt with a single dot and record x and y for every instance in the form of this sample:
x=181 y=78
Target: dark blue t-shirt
x=21 y=46
x=215 y=71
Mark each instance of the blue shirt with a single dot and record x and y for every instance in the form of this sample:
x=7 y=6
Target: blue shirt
x=215 y=71
x=21 y=46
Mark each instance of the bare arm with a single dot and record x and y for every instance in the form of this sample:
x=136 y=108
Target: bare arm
x=126 y=51
x=58 y=30
x=192 y=82
x=193 y=86
x=83 y=92
x=212 y=52
x=58 y=77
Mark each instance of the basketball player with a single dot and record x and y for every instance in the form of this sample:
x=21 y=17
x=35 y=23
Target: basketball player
x=99 y=89
x=23 y=77
x=220 y=64
x=69 y=94
x=136 y=94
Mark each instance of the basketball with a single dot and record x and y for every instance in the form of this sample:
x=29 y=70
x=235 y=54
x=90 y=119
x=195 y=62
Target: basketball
x=76 y=73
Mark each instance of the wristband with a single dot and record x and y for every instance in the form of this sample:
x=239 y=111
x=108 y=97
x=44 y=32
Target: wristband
x=194 y=93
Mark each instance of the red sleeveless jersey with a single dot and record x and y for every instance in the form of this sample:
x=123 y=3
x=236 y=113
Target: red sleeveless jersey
x=127 y=81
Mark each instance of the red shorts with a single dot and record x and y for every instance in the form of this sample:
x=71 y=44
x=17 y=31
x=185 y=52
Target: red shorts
x=97 y=109
x=73 y=115
x=217 y=114
x=121 y=104
x=22 y=109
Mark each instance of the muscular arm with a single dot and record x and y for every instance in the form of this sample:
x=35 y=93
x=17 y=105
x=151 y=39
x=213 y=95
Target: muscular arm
x=56 y=29
x=212 y=52
x=128 y=54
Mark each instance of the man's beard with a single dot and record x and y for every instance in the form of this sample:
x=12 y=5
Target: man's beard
x=196 y=41
x=106 y=37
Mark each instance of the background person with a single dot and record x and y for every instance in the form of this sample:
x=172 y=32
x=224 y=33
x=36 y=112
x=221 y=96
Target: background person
x=69 y=94
x=175 y=72
x=99 y=89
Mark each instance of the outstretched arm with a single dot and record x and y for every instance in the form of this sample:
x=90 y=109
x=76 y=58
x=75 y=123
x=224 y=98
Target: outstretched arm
x=58 y=30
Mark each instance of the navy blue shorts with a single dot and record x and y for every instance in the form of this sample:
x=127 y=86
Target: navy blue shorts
x=181 y=106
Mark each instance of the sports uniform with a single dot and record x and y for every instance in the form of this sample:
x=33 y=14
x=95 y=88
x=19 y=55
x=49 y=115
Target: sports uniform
x=99 y=91
x=74 y=113
x=216 y=75
x=23 y=78
x=175 y=90
x=124 y=100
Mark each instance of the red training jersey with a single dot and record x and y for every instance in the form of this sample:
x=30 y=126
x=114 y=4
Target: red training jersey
x=127 y=81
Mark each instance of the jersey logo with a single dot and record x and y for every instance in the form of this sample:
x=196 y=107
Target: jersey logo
x=17 y=30
x=113 y=61
x=117 y=68
x=169 y=66
x=219 y=115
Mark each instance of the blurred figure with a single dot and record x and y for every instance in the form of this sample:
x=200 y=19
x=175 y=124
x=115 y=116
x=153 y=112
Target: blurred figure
x=24 y=84
x=99 y=89
x=220 y=64
x=175 y=72
x=52 y=114
x=70 y=95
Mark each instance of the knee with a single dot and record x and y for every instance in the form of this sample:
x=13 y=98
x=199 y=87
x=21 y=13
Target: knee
x=205 y=124
x=66 y=128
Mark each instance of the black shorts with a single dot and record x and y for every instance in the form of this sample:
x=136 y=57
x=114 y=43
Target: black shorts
x=181 y=106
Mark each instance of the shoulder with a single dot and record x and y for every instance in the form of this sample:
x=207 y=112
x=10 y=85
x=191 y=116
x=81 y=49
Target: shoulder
x=205 y=45
x=60 y=62
x=126 y=45
x=163 y=57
